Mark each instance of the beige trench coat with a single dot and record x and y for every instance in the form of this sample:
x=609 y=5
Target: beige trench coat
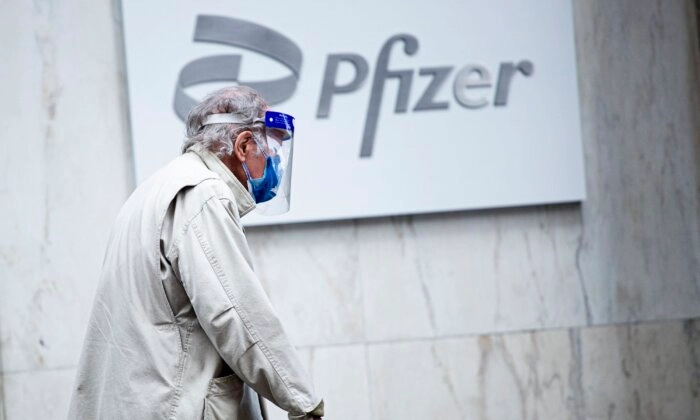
x=181 y=327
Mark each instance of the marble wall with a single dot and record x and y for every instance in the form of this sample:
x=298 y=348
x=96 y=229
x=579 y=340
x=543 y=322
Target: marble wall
x=608 y=372
x=640 y=249
x=547 y=312
x=65 y=171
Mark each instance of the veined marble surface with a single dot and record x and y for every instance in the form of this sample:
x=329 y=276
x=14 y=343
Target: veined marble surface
x=340 y=377
x=311 y=277
x=639 y=82
x=640 y=372
x=64 y=131
x=616 y=372
x=648 y=371
x=424 y=276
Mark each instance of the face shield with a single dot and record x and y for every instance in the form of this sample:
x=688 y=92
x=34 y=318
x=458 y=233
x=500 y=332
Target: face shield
x=272 y=190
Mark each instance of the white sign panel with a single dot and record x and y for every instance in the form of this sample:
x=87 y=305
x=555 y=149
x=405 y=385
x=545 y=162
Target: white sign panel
x=401 y=106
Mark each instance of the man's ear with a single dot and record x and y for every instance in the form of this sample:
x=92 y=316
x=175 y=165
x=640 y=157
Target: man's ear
x=243 y=144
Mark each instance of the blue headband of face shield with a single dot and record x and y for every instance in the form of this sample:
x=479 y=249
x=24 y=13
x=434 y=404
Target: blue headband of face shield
x=279 y=129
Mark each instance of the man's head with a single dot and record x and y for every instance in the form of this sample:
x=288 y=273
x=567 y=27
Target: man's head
x=234 y=144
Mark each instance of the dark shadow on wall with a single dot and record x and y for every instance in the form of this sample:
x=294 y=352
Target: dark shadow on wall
x=697 y=14
x=697 y=85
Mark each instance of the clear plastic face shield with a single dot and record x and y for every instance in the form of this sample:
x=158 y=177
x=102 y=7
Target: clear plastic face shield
x=274 y=136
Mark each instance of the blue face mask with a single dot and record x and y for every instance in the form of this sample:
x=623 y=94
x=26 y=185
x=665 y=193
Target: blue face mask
x=265 y=188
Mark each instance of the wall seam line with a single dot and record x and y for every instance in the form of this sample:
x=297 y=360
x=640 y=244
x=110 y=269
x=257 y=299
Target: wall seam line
x=497 y=333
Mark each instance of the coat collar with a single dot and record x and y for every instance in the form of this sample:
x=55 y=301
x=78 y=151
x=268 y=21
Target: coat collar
x=244 y=200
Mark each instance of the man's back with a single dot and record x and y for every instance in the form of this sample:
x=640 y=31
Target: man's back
x=179 y=320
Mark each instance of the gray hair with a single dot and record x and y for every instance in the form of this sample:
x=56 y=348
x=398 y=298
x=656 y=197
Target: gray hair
x=219 y=138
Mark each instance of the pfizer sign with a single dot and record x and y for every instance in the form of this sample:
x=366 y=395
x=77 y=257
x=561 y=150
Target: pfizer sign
x=401 y=107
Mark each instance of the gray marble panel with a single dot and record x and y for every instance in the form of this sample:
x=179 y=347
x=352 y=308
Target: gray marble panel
x=646 y=371
x=340 y=377
x=461 y=273
x=64 y=132
x=392 y=283
x=40 y=394
x=639 y=83
x=310 y=274
x=519 y=376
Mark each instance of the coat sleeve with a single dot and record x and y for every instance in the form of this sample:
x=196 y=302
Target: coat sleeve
x=214 y=266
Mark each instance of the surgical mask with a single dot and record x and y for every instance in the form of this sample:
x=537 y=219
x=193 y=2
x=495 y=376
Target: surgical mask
x=264 y=188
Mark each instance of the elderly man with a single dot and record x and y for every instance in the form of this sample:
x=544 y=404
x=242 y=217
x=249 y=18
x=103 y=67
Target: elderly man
x=181 y=327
